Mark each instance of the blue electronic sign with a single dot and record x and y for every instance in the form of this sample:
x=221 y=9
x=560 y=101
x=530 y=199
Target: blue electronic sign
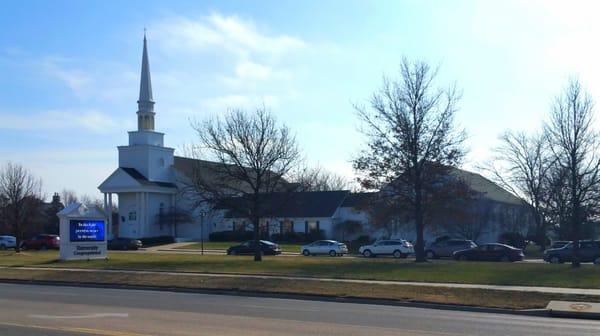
x=86 y=230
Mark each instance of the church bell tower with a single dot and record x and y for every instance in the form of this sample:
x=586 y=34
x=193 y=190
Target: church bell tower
x=145 y=102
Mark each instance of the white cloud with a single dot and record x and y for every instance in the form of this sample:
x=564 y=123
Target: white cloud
x=223 y=103
x=77 y=80
x=231 y=33
x=89 y=120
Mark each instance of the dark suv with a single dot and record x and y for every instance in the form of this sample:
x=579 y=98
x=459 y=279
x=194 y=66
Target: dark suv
x=589 y=251
x=446 y=248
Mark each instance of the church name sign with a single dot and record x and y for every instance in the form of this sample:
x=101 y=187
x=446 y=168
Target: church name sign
x=83 y=233
x=86 y=230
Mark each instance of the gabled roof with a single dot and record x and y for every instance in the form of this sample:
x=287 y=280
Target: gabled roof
x=129 y=179
x=144 y=181
x=356 y=200
x=291 y=205
x=487 y=188
x=482 y=186
x=209 y=172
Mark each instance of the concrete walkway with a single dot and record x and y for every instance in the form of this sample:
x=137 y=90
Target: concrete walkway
x=549 y=290
x=165 y=246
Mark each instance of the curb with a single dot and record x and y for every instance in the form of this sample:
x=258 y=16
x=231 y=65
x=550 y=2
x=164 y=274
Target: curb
x=289 y=296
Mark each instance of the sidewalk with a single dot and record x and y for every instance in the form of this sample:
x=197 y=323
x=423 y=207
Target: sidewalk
x=548 y=290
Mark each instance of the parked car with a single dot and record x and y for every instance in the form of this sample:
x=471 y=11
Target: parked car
x=490 y=252
x=331 y=247
x=123 y=243
x=399 y=248
x=248 y=247
x=41 y=242
x=7 y=242
x=559 y=244
x=589 y=251
x=446 y=248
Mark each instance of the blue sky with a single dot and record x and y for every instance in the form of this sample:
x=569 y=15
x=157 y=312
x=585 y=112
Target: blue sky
x=69 y=70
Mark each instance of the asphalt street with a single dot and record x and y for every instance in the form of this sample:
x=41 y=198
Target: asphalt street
x=49 y=310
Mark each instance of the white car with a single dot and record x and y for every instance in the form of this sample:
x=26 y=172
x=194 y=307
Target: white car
x=399 y=248
x=7 y=242
x=331 y=247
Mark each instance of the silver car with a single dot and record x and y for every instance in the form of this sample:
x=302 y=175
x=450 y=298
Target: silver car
x=330 y=247
x=7 y=242
x=398 y=248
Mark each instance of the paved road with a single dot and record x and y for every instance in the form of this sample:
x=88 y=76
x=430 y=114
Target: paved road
x=47 y=310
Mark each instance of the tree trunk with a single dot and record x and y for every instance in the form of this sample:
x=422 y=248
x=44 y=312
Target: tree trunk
x=575 y=216
x=575 y=229
x=419 y=225
x=257 y=247
x=17 y=224
x=541 y=232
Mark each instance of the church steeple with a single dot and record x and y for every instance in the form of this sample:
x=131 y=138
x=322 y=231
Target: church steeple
x=145 y=102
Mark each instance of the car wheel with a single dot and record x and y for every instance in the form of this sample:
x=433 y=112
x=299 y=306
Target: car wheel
x=555 y=260
x=505 y=259
x=43 y=247
x=332 y=253
x=430 y=255
x=24 y=247
x=463 y=258
x=306 y=253
x=2 y=247
x=597 y=261
x=367 y=253
x=398 y=254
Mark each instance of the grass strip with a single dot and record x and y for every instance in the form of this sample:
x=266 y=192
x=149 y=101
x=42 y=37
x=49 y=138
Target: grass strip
x=402 y=293
x=517 y=274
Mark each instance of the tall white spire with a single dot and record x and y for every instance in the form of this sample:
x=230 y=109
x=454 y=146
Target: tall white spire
x=145 y=102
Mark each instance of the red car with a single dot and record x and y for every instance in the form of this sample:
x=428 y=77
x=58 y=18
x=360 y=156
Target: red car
x=41 y=242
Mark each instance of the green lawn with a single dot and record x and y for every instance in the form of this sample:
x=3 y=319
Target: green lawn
x=533 y=252
x=294 y=248
x=462 y=296
x=528 y=274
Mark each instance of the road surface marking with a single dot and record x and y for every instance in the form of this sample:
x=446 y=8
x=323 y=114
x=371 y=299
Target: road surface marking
x=88 y=316
x=89 y=331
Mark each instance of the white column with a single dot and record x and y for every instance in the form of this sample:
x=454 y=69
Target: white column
x=172 y=210
x=141 y=216
x=110 y=217
x=105 y=210
x=144 y=214
x=138 y=210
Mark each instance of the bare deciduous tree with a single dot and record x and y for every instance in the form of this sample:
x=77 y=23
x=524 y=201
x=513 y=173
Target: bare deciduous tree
x=522 y=164
x=252 y=155
x=22 y=194
x=68 y=197
x=469 y=221
x=575 y=144
x=319 y=179
x=412 y=141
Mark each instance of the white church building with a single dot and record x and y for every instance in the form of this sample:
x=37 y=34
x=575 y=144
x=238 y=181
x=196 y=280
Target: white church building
x=149 y=182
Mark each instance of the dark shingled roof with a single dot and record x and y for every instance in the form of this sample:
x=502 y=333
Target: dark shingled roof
x=209 y=172
x=292 y=205
x=488 y=189
x=356 y=200
x=144 y=181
